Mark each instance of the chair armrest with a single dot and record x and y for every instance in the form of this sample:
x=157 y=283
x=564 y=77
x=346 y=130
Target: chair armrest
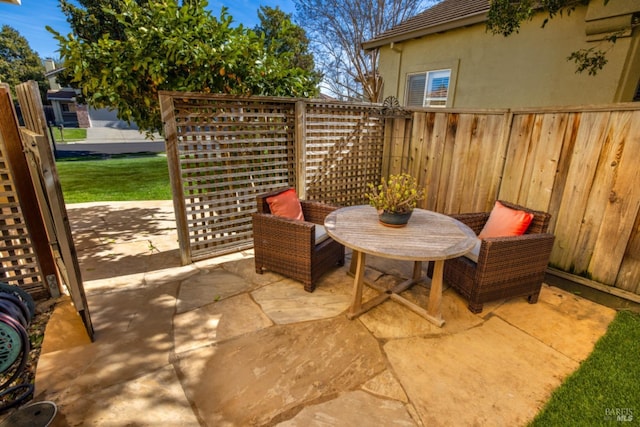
x=514 y=256
x=288 y=231
x=474 y=221
x=316 y=212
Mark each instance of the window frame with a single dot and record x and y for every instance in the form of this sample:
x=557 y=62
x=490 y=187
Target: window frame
x=427 y=75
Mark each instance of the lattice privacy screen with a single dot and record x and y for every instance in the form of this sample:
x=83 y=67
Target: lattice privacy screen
x=224 y=150
x=19 y=262
x=343 y=144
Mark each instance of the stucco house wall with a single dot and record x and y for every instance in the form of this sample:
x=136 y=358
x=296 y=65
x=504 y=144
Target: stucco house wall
x=528 y=69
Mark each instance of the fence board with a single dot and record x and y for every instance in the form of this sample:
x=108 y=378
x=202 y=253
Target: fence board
x=516 y=157
x=447 y=161
x=600 y=191
x=460 y=165
x=397 y=147
x=629 y=275
x=569 y=226
x=491 y=178
x=624 y=201
x=548 y=148
x=564 y=161
x=431 y=157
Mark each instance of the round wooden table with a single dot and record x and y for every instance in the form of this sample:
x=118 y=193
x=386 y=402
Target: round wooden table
x=429 y=236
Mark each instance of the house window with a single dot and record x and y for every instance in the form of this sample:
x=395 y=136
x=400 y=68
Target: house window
x=429 y=89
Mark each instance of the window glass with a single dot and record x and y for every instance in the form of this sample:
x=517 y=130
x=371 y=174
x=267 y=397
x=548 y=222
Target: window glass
x=437 y=89
x=415 y=89
x=429 y=89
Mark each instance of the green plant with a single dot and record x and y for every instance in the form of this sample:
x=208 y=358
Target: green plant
x=398 y=194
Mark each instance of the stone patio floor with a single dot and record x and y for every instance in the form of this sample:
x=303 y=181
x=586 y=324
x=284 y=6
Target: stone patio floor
x=215 y=344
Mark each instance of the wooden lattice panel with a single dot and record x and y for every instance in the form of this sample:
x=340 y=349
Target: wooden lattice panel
x=344 y=144
x=228 y=152
x=19 y=264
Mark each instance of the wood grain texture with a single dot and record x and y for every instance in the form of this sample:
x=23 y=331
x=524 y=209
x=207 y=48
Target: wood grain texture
x=428 y=235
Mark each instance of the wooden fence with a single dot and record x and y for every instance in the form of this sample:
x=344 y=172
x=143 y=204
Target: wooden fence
x=580 y=164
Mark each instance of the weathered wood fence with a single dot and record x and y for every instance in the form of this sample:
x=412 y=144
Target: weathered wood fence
x=581 y=165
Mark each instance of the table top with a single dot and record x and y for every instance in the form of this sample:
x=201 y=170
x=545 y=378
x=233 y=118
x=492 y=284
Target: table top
x=429 y=236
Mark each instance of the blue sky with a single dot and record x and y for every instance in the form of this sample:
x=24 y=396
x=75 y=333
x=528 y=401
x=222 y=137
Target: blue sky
x=32 y=16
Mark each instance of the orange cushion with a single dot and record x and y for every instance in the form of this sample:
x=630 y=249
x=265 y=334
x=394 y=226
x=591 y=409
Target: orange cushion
x=504 y=221
x=286 y=205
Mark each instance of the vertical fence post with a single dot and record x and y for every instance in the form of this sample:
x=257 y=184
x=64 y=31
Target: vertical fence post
x=301 y=150
x=177 y=189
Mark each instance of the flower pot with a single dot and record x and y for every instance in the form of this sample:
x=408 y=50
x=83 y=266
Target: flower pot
x=393 y=219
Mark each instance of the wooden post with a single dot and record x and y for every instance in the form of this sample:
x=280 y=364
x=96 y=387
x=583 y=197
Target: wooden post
x=301 y=150
x=179 y=207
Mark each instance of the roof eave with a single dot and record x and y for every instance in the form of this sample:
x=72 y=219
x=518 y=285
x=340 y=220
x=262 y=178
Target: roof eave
x=445 y=26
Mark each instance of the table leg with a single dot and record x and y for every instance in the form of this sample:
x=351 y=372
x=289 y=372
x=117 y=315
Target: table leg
x=435 y=294
x=353 y=264
x=417 y=271
x=356 y=302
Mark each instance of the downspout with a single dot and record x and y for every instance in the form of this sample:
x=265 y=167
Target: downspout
x=398 y=49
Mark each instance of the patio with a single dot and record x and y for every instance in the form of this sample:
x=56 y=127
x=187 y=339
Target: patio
x=213 y=343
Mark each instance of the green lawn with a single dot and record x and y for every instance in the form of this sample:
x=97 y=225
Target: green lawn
x=69 y=134
x=605 y=390
x=115 y=179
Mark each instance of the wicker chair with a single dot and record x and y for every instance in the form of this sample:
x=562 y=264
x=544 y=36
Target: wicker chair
x=289 y=246
x=507 y=266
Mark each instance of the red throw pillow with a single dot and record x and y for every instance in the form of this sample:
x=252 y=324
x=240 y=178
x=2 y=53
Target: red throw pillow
x=504 y=221
x=286 y=205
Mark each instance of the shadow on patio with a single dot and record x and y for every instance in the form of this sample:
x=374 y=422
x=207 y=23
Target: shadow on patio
x=214 y=343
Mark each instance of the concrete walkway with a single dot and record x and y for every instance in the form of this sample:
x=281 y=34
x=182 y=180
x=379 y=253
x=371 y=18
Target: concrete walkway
x=215 y=344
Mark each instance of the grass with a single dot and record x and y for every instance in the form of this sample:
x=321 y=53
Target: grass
x=69 y=134
x=605 y=389
x=114 y=179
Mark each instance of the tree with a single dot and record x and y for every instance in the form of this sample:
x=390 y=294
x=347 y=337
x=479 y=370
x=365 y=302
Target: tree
x=18 y=62
x=338 y=28
x=146 y=47
x=93 y=18
x=505 y=17
x=286 y=40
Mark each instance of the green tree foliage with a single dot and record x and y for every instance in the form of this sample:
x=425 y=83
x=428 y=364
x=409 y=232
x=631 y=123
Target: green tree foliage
x=505 y=17
x=286 y=40
x=18 y=62
x=149 y=46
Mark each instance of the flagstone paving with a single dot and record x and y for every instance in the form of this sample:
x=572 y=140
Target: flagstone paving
x=216 y=344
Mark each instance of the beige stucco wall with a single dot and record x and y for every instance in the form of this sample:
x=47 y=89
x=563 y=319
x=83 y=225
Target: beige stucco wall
x=529 y=69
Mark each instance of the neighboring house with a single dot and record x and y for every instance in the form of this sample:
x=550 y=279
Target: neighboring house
x=445 y=57
x=66 y=110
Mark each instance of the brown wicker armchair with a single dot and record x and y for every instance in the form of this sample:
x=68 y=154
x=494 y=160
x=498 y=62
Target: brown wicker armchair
x=507 y=266
x=289 y=247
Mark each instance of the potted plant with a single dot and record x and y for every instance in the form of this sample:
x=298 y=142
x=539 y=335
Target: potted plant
x=395 y=199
